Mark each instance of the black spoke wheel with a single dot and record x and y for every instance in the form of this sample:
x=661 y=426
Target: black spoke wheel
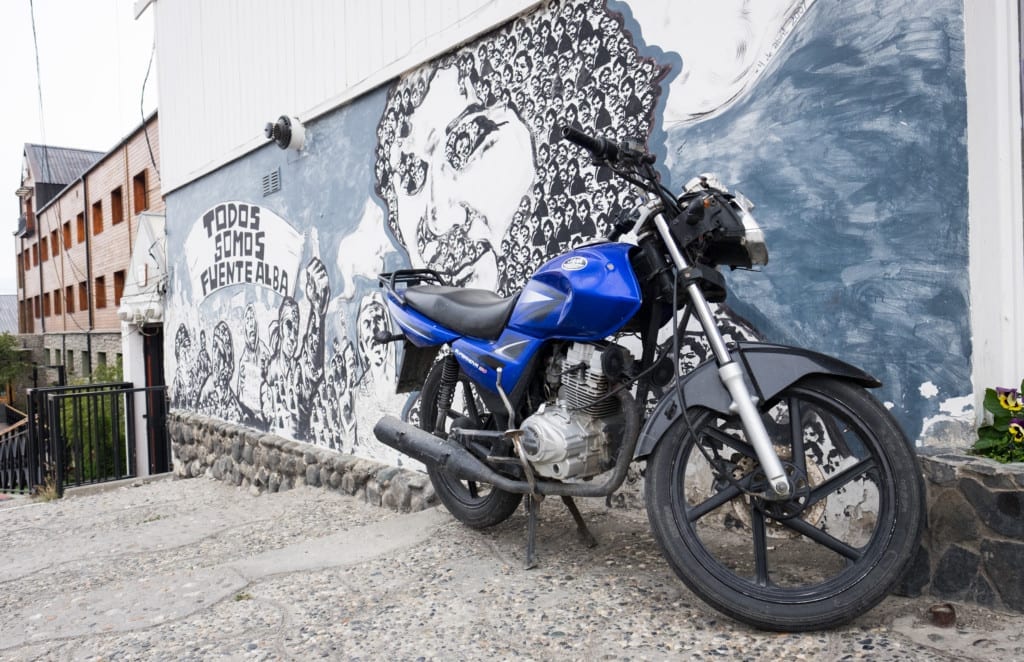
x=821 y=558
x=478 y=505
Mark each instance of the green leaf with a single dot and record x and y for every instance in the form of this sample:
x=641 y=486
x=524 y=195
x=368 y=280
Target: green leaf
x=992 y=401
x=1002 y=421
x=984 y=443
x=990 y=431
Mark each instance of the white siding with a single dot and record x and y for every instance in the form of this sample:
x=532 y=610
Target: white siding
x=992 y=48
x=226 y=68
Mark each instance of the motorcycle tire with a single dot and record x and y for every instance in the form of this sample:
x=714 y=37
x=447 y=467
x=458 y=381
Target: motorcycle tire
x=829 y=553
x=477 y=505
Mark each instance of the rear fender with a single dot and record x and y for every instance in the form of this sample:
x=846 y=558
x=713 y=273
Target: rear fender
x=769 y=370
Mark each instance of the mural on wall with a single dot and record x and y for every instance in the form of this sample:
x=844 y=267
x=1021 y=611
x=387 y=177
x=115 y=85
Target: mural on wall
x=475 y=177
x=458 y=167
x=236 y=243
x=475 y=182
x=853 y=145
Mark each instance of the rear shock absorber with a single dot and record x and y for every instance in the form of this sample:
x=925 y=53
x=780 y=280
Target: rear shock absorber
x=445 y=392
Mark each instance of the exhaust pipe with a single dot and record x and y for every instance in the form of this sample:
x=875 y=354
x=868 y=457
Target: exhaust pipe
x=429 y=449
x=432 y=450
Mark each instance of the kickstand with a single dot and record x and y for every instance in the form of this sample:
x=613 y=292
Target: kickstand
x=532 y=506
x=581 y=527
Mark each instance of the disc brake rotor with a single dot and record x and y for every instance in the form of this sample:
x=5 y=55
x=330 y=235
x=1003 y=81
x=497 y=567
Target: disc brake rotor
x=779 y=510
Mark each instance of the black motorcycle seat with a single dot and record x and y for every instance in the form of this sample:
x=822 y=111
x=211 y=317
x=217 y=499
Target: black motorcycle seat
x=469 y=312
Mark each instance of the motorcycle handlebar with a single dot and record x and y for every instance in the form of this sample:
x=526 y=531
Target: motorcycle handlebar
x=604 y=149
x=601 y=148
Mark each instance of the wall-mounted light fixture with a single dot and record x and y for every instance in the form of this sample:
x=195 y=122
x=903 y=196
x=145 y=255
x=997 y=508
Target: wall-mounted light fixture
x=286 y=132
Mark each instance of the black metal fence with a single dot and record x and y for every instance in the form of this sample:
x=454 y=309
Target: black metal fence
x=77 y=435
x=14 y=456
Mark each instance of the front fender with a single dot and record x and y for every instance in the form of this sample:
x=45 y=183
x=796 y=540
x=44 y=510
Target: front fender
x=769 y=370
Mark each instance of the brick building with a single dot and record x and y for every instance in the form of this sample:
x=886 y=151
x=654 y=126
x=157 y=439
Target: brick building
x=80 y=216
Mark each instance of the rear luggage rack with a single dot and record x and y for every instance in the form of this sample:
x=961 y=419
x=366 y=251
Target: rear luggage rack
x=409 y=278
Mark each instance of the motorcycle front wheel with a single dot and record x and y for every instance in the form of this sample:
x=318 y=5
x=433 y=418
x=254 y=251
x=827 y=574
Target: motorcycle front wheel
x=826 y=555
x=478 y=505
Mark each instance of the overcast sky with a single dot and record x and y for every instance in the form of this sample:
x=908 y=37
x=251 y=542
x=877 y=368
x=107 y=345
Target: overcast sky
x=92 y=61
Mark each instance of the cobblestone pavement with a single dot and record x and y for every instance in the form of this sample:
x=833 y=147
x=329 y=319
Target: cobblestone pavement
x=199 y=570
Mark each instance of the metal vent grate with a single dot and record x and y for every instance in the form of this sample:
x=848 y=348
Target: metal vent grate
x=272 y=182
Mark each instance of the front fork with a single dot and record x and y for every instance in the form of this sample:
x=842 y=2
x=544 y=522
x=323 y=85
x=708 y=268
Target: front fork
x=729 y=371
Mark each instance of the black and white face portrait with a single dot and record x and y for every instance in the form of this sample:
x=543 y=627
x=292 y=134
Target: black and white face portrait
x=373 y=318
x=252 y=332
x=288 y=319
x=468 y=141
x=223 y=352
x=452 y=153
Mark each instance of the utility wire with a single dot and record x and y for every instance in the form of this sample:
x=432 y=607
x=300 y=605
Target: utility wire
x=39 y=87
x=142 y=111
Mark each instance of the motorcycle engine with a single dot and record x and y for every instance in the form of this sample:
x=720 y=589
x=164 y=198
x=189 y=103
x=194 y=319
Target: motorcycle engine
x=571 y=436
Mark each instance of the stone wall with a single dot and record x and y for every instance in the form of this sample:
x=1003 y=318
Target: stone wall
x=73 y=350
x=266 y=462
x=973 y=549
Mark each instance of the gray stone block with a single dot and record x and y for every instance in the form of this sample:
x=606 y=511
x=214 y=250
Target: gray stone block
x=918 y=576
x=1004 y=564
x=955 y=572
x=951 y=519
x=998 y=510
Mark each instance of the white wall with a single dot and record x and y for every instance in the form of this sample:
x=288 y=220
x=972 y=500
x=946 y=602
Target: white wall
x=133 y=365
x=992 y=45
x=227 y=68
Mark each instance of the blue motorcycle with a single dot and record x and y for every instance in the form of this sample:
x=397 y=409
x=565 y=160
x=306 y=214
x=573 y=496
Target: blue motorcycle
x=779 y=490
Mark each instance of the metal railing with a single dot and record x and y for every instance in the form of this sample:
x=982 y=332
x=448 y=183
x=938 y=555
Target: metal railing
x=15 y=459
x=79 y=435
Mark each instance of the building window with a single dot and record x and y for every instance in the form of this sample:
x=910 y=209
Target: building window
x=28 y=259
x=101 y=359
x=116 y=206
x=56 y=302
x=69 y=361
x=80 y=226
x=86 y=363
x=55 y=243
x=101 y=292
x=42 y=249
x=46 y=356
x=35 y=303
x=67 y=235
x=69 y=298
x=57 y=357
x=140 y=193
x=97 y=218
x=118 y=287
x=35 y=255
x=30 y=217
x=46 y=304
x=83 y=296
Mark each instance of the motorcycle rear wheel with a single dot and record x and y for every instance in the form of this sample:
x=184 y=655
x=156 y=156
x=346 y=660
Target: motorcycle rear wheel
x=827 y=555
x=478 y=505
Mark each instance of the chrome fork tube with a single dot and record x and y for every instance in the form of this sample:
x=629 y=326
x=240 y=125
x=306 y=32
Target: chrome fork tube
x=731 y=374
